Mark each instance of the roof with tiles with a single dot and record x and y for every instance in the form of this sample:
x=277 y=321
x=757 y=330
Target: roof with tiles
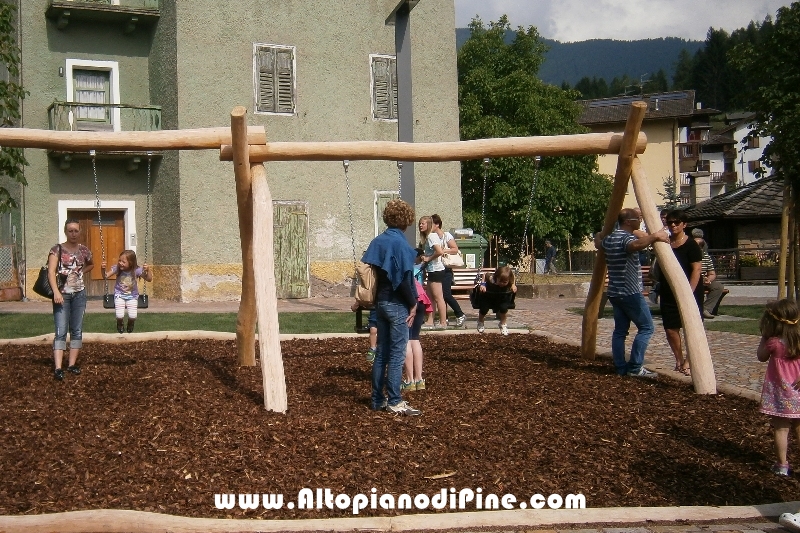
x=761 y=199
x=675 y=104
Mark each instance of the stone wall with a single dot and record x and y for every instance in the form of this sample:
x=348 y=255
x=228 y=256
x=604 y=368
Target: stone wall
x=759 y=235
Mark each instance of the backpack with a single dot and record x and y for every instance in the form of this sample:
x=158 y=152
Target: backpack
x=365 y=285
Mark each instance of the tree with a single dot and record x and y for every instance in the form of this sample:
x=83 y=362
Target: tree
x=12 y=160
x=773 y=69
x=501 y=96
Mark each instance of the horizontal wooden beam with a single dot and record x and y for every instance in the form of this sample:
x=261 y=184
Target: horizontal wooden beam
x=83 y=141
x=558 y=145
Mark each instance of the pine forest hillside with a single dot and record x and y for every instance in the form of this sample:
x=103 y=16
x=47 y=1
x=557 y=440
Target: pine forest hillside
x=605 y=58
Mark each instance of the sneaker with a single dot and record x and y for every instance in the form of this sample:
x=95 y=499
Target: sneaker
x=403 y=408
x=643 y=373
x=428 y=326
x=421 y=384
x=708 y=315
x=440 y=327
x=503 y=329
x=460 y=321
x=381 y=407
x=371 y=353
x=408 y=385
x=58 y=374
x=782 y=470
x=75 y=369
x=790 y=521
x=481 y=327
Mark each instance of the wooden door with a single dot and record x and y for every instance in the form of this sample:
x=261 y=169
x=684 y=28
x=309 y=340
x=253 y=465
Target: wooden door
x=291 y=249
x=113 y=243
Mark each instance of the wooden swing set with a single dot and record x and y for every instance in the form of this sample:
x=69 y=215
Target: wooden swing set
x=248 y=149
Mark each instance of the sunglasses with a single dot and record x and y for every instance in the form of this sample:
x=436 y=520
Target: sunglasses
x=674 y=222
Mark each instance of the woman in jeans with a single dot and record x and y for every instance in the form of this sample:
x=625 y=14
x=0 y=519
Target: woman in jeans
x=69 y=260
x=450 y=247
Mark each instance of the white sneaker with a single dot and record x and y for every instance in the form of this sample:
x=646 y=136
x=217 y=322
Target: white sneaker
x=790 y=521
x=460 y=320
x=403 y=408
x=481 y=327
x=503 y=329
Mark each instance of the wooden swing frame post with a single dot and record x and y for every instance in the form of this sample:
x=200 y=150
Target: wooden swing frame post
x=703 y=377
x=246 y=318
x=626 y=153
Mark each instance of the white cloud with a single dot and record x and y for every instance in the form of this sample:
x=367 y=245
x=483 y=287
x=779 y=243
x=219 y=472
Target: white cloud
x=579 y=20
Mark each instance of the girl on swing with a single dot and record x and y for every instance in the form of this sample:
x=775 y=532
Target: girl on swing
x=496 y=292
x=126 y=288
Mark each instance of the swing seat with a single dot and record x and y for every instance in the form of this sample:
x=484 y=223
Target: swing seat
x=492 y=300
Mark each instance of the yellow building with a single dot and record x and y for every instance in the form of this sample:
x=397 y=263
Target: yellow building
x=668 y=122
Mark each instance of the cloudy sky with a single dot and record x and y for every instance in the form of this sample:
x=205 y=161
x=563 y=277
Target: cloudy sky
x=579 y=20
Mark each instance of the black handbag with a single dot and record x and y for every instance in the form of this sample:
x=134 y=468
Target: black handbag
x=42 y=285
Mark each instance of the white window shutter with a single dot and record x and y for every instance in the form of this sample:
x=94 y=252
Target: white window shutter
x=384 y=90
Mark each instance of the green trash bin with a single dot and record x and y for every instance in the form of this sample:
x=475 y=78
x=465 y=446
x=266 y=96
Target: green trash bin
x=470 y=249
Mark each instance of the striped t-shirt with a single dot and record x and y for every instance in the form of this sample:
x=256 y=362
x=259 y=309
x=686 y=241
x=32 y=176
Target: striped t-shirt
x=708 y=264
x=624 y=272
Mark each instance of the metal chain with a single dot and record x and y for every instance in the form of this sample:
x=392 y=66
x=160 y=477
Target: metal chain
x=93 y=155
x=346 y=165
x=486 y=162
x=400 y=179
x=147 y=216
x=536 y=160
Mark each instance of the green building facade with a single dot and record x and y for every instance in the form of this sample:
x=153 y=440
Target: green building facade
x=306 y=70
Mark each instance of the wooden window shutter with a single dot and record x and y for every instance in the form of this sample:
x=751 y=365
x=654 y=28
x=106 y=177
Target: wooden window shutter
x=384 y=90
x=265 y=62
x=285 y=78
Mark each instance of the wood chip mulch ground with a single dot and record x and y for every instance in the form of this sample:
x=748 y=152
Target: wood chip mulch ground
x=164 y=426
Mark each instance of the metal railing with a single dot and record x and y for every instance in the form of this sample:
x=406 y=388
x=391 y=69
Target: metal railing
x=73 y=116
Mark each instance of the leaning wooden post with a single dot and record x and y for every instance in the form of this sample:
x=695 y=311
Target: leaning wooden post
x=269 y=344
x=627 y=152
x=696 y=341
x=246 y=319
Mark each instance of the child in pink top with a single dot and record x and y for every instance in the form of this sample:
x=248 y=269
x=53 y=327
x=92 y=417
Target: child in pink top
x=780 y=397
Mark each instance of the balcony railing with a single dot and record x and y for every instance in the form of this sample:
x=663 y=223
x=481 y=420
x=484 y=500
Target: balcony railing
x=72 y=116
x=129 y=13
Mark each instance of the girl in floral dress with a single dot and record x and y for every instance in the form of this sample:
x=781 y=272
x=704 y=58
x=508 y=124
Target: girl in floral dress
x=780 y=397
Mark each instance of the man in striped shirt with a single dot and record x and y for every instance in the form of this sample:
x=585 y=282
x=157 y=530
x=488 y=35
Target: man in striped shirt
x=625 y=291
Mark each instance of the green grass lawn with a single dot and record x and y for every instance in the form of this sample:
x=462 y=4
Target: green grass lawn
x=752 y=314
x=19 y=325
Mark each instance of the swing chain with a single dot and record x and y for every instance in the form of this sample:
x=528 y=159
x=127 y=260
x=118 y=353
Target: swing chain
x=93 y=155
x=346 y=165
x=536 y=160
x=147 y=216
x=486 y=163
x=400 y=179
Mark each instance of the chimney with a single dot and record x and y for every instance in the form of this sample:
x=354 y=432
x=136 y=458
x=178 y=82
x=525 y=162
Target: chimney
x=699 y=105
x=656 y=104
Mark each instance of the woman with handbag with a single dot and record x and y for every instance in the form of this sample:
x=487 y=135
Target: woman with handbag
x=434 y=271
x=68 y=261
x=450 y=253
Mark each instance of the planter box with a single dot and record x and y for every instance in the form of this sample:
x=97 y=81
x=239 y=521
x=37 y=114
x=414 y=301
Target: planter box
x=762 y=273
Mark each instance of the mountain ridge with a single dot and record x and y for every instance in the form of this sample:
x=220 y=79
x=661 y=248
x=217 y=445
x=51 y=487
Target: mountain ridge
x=605 y=58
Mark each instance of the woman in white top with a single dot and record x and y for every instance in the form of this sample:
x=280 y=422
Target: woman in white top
x=434 y=270
x=449 y=247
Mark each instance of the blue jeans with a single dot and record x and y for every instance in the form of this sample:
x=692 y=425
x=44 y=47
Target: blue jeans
x=627 y=309
x=387 y=370
x=69 y=314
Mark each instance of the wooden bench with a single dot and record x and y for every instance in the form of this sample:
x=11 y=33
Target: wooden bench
x=647 y=283
x=464 y=281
